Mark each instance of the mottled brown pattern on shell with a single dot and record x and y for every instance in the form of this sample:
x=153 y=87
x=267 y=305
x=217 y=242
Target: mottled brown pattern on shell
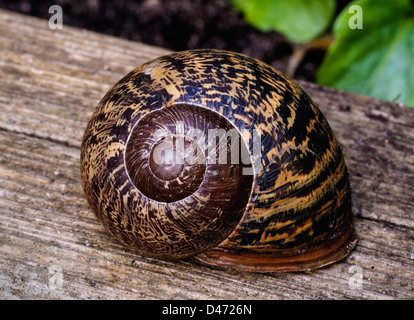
x=298 y=213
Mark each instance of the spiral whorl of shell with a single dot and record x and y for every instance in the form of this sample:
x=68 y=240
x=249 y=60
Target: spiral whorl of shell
x=169 y=190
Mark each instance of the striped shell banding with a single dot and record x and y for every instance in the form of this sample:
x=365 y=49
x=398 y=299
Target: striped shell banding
x=286 y=209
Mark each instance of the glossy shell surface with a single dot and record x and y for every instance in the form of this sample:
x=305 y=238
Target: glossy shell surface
x=292 y=212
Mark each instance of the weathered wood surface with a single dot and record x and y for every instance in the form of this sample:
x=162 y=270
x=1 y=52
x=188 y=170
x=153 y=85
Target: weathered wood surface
x=50 y=82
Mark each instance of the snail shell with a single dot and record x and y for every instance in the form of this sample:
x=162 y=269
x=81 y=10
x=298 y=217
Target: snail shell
x=154 y=174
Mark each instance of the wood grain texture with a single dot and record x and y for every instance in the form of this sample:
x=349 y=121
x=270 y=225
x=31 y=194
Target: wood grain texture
x=50 y=82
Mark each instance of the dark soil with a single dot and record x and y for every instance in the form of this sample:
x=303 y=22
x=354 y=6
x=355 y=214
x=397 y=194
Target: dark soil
x=176 y=25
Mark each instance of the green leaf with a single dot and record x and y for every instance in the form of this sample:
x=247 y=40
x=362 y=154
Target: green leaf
x=376 y=60
x=297 y=20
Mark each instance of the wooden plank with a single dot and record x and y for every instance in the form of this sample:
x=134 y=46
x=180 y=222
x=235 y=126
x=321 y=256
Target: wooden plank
x=50 y=81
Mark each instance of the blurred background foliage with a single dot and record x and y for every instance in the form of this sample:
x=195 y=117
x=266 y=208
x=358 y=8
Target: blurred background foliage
x=297 y=20
x=372 y=48
x=308 y=40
